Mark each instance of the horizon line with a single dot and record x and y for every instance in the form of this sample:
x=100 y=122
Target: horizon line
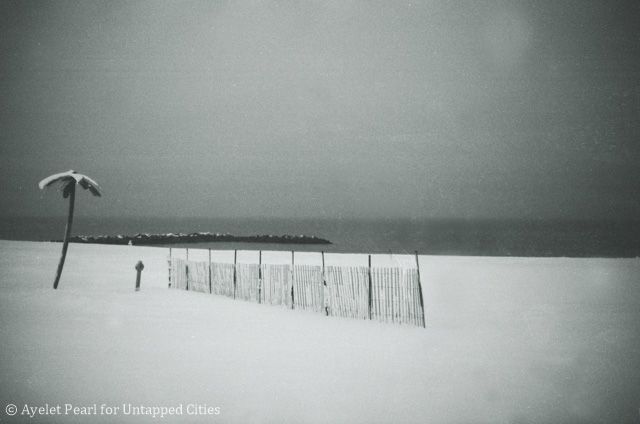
x=337 y=218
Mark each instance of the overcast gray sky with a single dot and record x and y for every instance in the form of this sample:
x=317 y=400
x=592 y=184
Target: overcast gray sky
x=324 y=108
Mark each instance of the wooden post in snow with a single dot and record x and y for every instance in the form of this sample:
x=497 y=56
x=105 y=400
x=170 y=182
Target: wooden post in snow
x=170 y=265
x=186 y=270
x=424 y=324
x=324 y=287
x=235 y=268
x=260 y=276
x=370 y=287
x=293 y=276
x=186 y=267
x=210 y=271
x=139 y=267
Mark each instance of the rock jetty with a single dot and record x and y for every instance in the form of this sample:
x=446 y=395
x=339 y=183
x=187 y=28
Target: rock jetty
x=170 y=238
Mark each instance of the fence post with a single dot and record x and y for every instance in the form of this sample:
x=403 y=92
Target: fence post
x=210 y=291
x=293 y=276
x=369 y=286
x=235 y=270
x=187 y=267
x=324 y=287
x=424 y=324
x=170 y=265
x=260 y=276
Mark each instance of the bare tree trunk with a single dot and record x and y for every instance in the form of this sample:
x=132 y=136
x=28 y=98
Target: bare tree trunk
x=67 y=235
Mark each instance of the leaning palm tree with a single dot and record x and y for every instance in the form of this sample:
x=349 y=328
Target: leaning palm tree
x=68 y=181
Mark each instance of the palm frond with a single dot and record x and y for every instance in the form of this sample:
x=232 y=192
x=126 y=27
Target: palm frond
x=88 y=184
x=55 y=178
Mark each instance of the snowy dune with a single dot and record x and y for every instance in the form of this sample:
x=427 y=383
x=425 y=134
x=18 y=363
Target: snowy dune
x=507 y=340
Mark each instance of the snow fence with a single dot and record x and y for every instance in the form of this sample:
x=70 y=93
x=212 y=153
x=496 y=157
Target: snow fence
x=387 y=294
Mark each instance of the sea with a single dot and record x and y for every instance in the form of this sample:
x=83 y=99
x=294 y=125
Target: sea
x=477 y=237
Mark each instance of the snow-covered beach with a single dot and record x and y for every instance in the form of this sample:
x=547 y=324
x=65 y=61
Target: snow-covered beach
x=507 y=340
x=395 y=212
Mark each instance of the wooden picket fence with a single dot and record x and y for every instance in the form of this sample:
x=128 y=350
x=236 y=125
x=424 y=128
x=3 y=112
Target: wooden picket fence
x=386 y=294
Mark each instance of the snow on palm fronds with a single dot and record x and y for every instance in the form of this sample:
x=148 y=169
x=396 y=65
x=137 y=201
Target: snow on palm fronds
x=68 y=179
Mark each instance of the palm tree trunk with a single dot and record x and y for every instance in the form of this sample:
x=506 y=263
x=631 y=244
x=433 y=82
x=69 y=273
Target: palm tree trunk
x=67 y=234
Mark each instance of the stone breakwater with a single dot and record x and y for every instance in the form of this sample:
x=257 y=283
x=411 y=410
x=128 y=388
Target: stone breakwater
x=150 y=239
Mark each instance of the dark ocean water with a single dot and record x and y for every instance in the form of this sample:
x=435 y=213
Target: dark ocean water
x=440 y=237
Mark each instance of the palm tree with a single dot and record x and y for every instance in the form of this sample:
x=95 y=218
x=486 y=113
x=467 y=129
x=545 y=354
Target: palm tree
x=68 y=181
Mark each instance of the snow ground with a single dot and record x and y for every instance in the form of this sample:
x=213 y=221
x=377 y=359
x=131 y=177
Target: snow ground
x=508 y=340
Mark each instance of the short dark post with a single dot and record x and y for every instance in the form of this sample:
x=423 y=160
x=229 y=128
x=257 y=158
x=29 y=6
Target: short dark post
x=369 y=286
x=424 y=324
x=139 y=268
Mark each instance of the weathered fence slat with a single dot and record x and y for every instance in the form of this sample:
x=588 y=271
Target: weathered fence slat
x=307 y=287
x=198 y=276
x=222 y=279
x=248 y=281
x=395 y=295
x=276 y=284
x=348 y=291
x=179 y=274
